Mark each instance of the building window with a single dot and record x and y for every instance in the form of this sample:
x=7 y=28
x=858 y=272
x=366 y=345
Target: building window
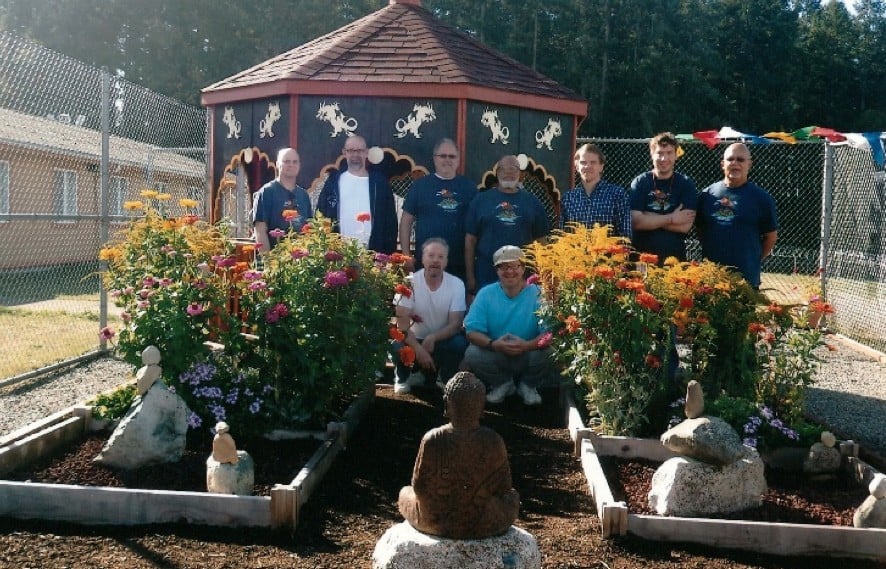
x=66 y=192
x=4 y=187
x=117 y=194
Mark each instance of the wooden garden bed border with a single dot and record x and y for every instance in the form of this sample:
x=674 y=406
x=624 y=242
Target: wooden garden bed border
x=122 y=506
x=761 y=537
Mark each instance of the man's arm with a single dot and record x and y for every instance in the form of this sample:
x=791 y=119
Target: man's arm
x=470 y=251
x=679 y=221
x=453 y=325
x=768 y=240
x=404 y=323
x=261 y=236
x=407 y=220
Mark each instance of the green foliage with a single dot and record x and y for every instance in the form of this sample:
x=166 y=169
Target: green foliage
x=114 y=405
x=760 y=426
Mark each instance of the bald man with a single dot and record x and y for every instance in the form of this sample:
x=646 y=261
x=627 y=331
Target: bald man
x=275 y=197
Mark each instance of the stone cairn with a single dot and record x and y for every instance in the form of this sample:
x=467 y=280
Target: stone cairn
x=872 y=512
x=228 y=470
x=715 y=472
x=154 y=429
x=461 y=505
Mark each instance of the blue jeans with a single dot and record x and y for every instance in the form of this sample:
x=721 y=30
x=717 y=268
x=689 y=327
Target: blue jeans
x=447 y=356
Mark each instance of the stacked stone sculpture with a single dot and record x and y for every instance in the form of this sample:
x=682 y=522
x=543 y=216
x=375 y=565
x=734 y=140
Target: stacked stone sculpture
x=228 y=470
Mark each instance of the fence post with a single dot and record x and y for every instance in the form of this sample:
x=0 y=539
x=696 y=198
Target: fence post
x=105 y=223
x=827 y=197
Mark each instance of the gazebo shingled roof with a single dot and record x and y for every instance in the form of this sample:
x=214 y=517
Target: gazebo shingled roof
x=402 y=43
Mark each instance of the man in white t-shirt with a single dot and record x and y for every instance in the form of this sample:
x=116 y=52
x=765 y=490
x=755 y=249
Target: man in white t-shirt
x=359 y=201
x=431 y=320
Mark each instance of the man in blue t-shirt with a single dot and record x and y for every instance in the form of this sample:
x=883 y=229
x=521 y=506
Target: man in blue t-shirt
x=436 y=206
x=281 y=195
x=737 y=220
x=663 y=203
x=504 y=215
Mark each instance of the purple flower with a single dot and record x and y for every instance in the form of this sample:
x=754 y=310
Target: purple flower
x=276 y=233
x=200 y=284
x=194 y=309
x=335 y=279
x=194 y=420
x=277 y=312
x=750 y=442
x=252 y=275
x=382 y=259
x=258 y=285
x=333 y=256
x=254 y=407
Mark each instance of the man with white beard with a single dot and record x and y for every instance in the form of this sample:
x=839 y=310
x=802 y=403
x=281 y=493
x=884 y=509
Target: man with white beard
x=504 y=215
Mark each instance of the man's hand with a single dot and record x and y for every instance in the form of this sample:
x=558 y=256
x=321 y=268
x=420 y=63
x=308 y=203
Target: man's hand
x=424 y=359
x=429 y=343
x=680 y=216
x=511 y=345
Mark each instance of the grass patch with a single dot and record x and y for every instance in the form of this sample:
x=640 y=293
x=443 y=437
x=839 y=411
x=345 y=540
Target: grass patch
x=79 y=280
x=32 y=339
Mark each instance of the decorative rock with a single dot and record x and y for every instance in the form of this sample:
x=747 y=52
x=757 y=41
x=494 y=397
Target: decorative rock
x=404 y=546
x=822 y=459
x=828 y=439
x=224 y=450
x=152 y=432
x=694 y=407
x=877 y=486
x=145 y=378
x=789 y=459
x=151 y=356
x=231 y=478
x=871 y=514
x=708 y=439
x=687 y=487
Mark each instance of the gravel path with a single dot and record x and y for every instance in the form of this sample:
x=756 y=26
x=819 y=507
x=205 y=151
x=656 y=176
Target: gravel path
x=849 y=394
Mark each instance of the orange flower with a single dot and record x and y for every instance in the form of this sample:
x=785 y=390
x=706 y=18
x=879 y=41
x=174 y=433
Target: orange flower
x=396 y=334
x=821 y=307
x=686 y=302
x=248 y=248
x=572 y=324
x=399 y=258
x=407 y=356
x=636 y=285
x=649 y=258
x=403 y=290
x=756 y=327
x=290 y=214
x=648 y=301
x=604 y=271
x=775 y=308
x=363 y=216
x=576 y=275
x=680 y=318
x=190 y=219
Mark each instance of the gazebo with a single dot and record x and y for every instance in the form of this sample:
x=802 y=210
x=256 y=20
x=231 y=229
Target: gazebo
x=402 y=79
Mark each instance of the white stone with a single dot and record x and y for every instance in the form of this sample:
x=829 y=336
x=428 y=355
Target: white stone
x=402 y=546
x=686 y=487
x=877 y=487
x=822 y=459
x=151 y=356
x=871 y=514
x=708 y=439
x=152 y=432
x=828 y=439
x=145 y=378
x=231 y=478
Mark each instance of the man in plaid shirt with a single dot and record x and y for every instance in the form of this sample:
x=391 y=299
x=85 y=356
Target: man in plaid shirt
x=594 y=200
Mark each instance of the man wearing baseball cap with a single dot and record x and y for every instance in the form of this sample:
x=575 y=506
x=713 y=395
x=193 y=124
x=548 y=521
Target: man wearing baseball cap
x=504 y=332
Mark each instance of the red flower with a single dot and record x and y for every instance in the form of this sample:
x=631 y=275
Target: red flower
x=396 y=334
x=653 y=361
x=821 y=307
x=756 y=327
x=775 y=308
x=363 y=216
x=604 y=271
x=407 y=356
x=403 y=290
x=573 y=324
x=399 y=258
x=648 y=301
x=686 y=302
x=649 y=258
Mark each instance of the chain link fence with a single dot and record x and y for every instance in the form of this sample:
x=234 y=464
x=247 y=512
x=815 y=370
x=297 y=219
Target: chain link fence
x=76 y=144
x=832 y=215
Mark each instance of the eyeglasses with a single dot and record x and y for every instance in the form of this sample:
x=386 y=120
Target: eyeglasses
x=735 y=159
x=509 y=267
x=354 y=150
x=449 y=156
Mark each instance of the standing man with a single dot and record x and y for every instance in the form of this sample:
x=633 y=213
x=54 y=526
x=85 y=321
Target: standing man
x=347 y=196
x=505 y=333
x=595 y=200
x=282 y=194
x=436 y=206
x=737 y=219
x=663 y=203
x=431 y=320
x=504 y=215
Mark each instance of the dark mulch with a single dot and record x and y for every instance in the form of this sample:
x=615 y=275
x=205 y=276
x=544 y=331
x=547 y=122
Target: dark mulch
x=356 y=503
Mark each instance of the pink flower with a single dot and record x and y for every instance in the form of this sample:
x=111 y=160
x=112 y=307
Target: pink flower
x=194 y=309
x=125 y=316
x=333 y=256
x=417 y=318
x=258 y=285
x=545 y=340
x=106 y=333
x=335 y=279
x=145 y=293
x=144 y=305
x=165 y=281
x=128 y=290
x=382 y=259
x=148 y=282
x=252 y=275
x=298 y=254
x=227 y=262
x=276 y=233
x=277 y=312
x=200 y=284
x=116 y=293
x=532 y=279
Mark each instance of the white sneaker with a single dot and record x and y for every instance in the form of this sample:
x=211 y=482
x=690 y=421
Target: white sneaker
x=402 y=388
x=498 y=394
x=529 y=394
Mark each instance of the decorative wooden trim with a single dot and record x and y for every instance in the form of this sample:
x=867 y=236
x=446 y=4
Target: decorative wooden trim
x=258 y=157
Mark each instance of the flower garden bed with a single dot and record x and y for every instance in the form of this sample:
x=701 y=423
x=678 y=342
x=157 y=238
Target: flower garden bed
x=136 y=506
x=763 y=537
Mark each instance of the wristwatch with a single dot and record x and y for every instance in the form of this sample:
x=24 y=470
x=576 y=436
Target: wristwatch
x=489 y=344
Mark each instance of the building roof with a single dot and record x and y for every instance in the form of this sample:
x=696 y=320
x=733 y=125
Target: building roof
x=48 y=135
x=400 y=43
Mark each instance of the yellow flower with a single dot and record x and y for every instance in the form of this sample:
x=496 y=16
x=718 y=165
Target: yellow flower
x=723 y=286
x=133 y=205
x=164 y=197
x=108 y=254
x=671 y=261
x=148 y=194
x=185 y=202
